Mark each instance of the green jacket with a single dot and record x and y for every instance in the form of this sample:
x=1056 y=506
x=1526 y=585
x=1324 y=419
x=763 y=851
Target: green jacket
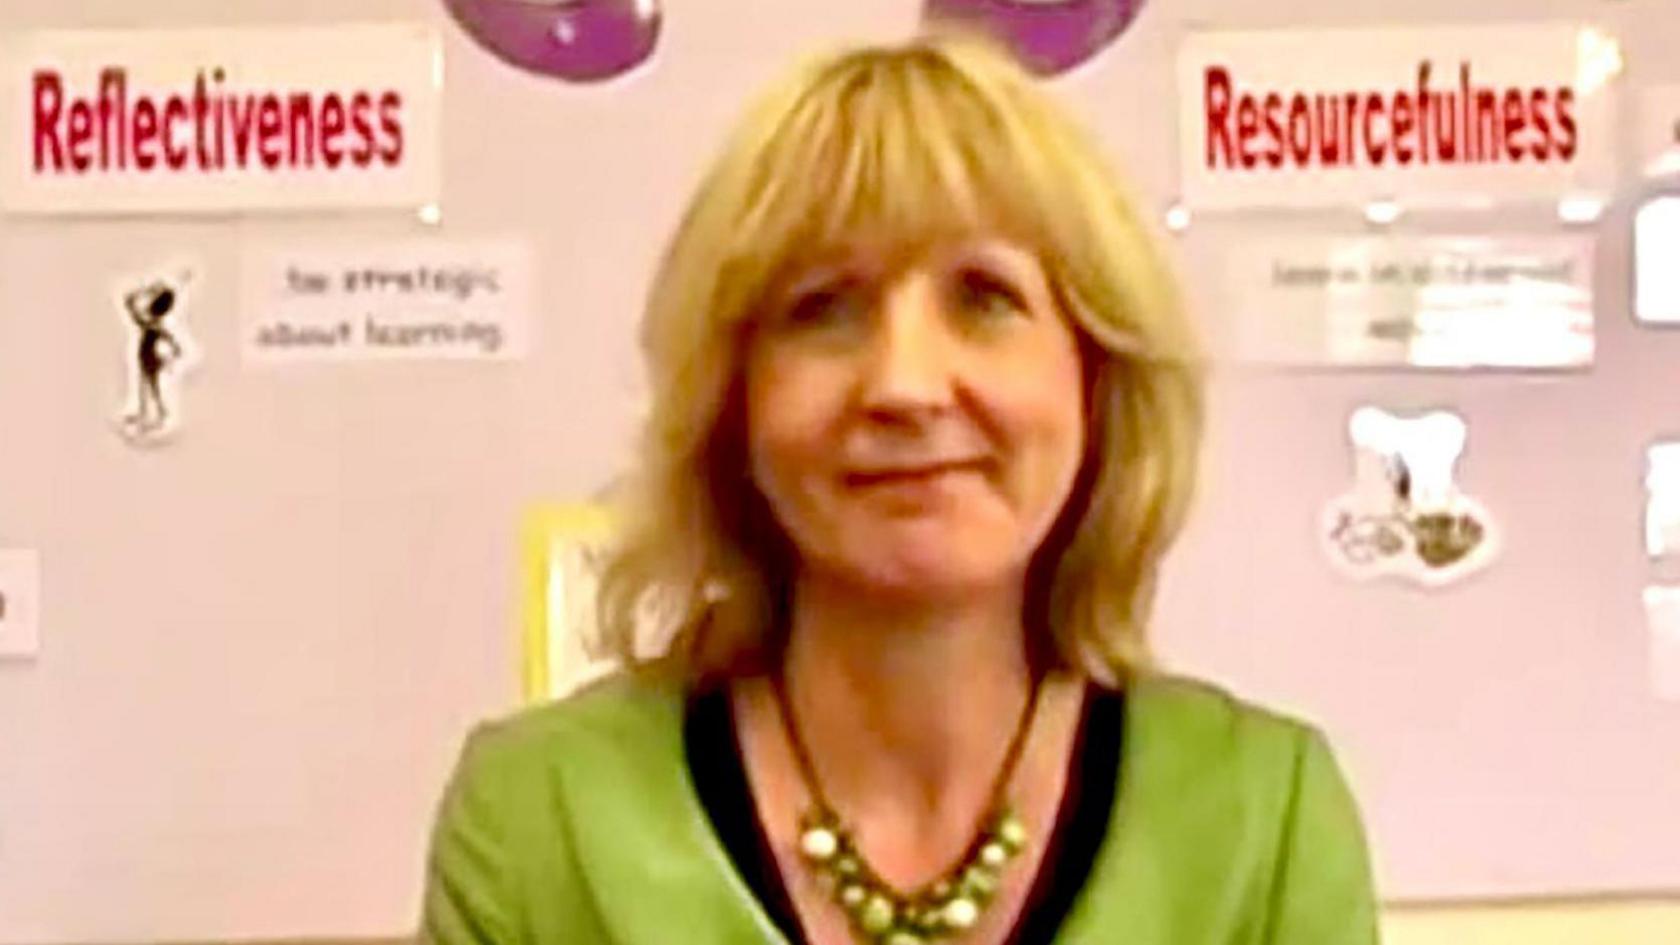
x=575 y=823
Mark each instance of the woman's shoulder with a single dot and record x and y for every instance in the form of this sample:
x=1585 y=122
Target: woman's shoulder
x=634 y=703
x=1221 y=786
x=534 y=788
x=1200 y=723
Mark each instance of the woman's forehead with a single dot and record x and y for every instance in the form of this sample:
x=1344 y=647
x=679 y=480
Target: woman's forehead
x=884 y=253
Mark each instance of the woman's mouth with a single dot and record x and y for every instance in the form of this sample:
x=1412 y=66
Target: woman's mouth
x=927 y=473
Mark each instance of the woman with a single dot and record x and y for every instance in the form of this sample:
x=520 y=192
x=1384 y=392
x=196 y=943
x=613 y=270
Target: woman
x=925 y=417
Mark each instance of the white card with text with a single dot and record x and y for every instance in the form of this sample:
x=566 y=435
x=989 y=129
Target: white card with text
x=417 y=299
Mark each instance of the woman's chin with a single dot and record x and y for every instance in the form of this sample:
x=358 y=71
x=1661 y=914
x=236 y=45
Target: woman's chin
x=934 y=574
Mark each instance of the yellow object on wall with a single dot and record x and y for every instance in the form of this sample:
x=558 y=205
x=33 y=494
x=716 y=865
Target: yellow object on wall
x=557 y=540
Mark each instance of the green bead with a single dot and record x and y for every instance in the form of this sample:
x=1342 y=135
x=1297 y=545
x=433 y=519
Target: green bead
x=961 y=913
x=1012 y=833
x=877 y=915
x=846 y=865
x=980 y=882
x=852 y=895
x=819 y=843
x=902 y=937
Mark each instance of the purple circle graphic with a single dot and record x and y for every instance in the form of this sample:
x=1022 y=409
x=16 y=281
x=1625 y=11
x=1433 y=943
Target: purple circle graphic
x=1050 y=37
x=574 y=40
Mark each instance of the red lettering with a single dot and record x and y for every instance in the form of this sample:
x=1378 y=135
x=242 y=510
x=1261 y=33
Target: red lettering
x=112 y=89
x=174 y=115
x=80 y=138
x=1539 y=103
x=332 y=128
x=1485 y=127
x=49 y=107
x=1350 y=102
x=1375 y=150
x=1401 y=118
x=104 y=128
x=1274 y=129
x=271 y=126
x=244 y=113
x=1216 y=108
x=1300 y=131
x=1248 y=125
x=390 y=121
x=1407 y=124
x=360 y=104
x=145 y=133
x=300 y=130
x=1515 y=115
x=1425 y=101
x=1566 y=123
x=1330 y=122
x=201 y=121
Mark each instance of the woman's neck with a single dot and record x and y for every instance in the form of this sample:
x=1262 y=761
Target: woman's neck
x=907 y=708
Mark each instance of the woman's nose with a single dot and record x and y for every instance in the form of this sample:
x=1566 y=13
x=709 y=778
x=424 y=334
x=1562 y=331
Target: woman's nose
x=908 y=363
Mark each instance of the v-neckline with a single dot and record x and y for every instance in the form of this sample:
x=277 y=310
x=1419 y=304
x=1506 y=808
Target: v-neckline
x=715 y=758
x=690 y=872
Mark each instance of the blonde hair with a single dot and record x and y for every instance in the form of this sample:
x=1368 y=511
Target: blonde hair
x=909 y=143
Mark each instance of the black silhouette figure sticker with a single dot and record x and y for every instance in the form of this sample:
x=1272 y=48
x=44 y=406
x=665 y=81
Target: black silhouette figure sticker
x=159 y=353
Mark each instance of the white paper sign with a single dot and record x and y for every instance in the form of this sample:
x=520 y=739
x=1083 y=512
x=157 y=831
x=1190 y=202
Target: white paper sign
x=1662 y=500
x=20 y=603
x=1440 y=116
x=1662 y=621
x=218 y=120
x=1656 y=261
x=1659 y=130
x=422 y=299
x=1435 y=302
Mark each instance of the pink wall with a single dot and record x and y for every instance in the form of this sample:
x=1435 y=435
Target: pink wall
x=263 y=643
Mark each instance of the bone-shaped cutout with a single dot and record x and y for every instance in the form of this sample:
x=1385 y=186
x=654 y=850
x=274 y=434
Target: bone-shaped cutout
x=1049 y=36
x=1404 y=514
x=574 y=40
x=1425 y=448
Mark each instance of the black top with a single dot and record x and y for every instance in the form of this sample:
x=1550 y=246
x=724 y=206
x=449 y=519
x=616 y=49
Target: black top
x=720 y=779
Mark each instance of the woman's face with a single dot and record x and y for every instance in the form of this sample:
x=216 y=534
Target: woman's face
x=916 y=425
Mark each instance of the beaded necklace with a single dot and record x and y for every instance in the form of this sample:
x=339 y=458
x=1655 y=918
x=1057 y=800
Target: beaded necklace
x=943 y=908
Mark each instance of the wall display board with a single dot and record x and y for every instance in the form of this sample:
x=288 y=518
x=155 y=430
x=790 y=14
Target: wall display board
x=262 y=643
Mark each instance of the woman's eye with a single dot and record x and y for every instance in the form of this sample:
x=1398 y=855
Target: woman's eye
x=981 y=293
x=823 y=307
